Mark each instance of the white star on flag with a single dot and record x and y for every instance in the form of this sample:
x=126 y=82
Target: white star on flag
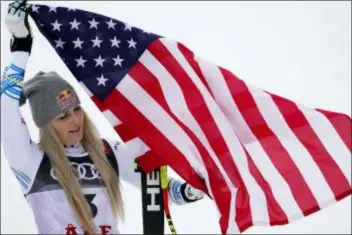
x=71 y=9
x=115 y=42
x=35 y=8
x=111 y=24
x=52 y=8
x=93 y=24
x=78 y=43
x=74 y=24
x=131 y=43
x=128 y=27
x=99 y=61
x=118 y=61
x=80 y=62
x=102 y=80
x=56 y=25
x=96 y=42
x=59 y=43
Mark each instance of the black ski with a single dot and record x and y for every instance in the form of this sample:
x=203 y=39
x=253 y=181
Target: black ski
x=152 y=202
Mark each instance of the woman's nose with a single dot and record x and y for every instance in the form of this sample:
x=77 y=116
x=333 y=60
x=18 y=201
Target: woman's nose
x=74 y=118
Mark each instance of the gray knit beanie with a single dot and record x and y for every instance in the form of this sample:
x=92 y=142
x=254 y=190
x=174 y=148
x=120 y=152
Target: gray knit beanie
x=49 y=95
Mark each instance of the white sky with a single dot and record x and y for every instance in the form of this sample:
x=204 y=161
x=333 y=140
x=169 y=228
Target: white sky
x=298 y=50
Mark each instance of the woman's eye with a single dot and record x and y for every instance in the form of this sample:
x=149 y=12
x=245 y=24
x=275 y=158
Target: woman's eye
x=77 y=109
x=63 y=117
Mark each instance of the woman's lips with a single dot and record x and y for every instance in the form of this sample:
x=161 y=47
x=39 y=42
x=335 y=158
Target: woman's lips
x=78 y=128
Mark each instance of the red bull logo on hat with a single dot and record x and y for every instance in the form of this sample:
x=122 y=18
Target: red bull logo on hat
x=66 y=98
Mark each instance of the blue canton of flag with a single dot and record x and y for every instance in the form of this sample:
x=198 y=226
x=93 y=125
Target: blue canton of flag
x=98 y=50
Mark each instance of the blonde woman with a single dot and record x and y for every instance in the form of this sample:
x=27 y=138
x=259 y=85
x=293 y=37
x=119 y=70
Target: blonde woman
x=71 y=179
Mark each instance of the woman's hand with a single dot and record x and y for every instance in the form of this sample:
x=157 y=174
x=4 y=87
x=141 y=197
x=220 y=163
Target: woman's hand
x=17 y=24
x=183 y=193
x=17 y=19
x=192 y=194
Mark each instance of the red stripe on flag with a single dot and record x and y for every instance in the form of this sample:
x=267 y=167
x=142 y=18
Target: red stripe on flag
x=191 y=60
x=276 y=214
x=102 y=106
x=270 y=143
x=222 y=195
x=124 y=133
x=306 y=135
x=149 y=160
x=342 y=125
x=243 y=215
x=150 y=84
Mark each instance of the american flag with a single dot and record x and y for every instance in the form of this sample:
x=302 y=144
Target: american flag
x=263 y=159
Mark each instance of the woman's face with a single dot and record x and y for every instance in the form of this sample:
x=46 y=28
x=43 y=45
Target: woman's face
x=69 y=126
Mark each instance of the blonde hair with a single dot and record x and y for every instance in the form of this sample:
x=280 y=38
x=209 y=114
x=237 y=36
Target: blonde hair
x=92 y=143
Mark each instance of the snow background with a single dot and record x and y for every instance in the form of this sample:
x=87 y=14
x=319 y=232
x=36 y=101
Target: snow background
x=299 y=50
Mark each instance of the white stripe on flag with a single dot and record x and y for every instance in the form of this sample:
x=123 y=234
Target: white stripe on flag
x=232 y=225
x=257 y=197
x=299 y=154
x=222 y=95
x=134 y=148
x=331 y=140
x=85 y=88
x=113 y=120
